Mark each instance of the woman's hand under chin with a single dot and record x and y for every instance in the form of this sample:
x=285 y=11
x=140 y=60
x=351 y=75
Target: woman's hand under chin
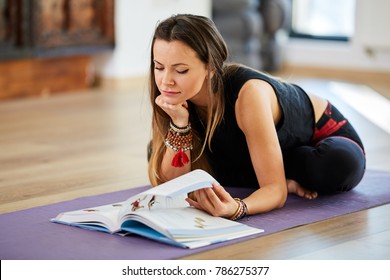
x=178 y=112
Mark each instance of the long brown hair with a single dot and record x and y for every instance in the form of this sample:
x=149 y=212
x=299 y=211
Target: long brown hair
x=200 y=34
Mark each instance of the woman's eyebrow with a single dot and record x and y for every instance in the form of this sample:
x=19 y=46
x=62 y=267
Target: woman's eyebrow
x=176 y=64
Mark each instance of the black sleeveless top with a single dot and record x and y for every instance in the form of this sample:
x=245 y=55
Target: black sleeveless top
x=229 y=155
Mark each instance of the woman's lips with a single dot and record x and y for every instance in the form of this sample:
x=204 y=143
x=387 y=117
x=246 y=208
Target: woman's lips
x=170 y=92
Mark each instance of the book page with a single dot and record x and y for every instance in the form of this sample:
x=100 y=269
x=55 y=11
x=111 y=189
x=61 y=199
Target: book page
x=103 y=216
x=171 y=194
x=185 y=222
x=194 y=180
x=142 y=202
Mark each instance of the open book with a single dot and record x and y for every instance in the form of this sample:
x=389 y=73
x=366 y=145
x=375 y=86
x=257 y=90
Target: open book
x=162 y=214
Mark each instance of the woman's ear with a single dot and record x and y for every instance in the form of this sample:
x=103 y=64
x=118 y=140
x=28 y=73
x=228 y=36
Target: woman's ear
x=211 y=74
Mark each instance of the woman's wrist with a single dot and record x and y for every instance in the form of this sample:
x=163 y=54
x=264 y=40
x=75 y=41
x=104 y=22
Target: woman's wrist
x=180 y=123
x=180 y=129
x=241 y=211
x=179 y=139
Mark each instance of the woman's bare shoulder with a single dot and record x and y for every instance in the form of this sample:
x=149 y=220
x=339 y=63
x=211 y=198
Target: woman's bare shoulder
x=258 y=97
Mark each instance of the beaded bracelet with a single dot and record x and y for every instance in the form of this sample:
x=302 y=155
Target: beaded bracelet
x=241 y=212
x=178 y=129
x=179 y=139
x=176 y=140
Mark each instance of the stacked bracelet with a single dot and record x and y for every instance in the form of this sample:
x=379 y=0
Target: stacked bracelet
x=179 y=139
x=241 y=212
x=178 y=129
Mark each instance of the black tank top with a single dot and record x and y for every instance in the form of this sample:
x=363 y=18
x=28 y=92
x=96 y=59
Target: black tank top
x=229 y=155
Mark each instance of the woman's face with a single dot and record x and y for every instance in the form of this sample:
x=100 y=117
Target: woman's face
x=179 y=74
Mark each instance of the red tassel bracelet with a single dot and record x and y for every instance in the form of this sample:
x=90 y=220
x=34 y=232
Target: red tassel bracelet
x=179 y=139
x=180 y=159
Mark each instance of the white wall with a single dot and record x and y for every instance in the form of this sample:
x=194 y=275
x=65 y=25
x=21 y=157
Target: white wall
x=134 y=23
x=364 y=51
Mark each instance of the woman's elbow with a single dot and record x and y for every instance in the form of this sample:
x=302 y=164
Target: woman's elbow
x=281 y=199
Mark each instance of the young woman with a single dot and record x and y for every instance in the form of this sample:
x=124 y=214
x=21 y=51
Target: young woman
x=246 y=128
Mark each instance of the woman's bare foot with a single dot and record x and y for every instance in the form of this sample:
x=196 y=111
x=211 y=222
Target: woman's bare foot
x=294 y=187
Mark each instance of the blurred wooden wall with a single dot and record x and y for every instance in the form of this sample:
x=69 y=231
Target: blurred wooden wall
x=46 y=45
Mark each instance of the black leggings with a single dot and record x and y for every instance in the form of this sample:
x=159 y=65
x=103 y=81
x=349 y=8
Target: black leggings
x=334 y=162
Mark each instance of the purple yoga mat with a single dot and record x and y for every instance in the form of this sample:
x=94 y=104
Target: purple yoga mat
x=28 y=234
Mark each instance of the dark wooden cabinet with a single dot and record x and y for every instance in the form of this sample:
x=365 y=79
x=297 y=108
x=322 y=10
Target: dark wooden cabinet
x=13 y=37
x=46 y=45
x=39 y=28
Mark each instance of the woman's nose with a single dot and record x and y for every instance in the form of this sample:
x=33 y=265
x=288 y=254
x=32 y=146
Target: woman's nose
x=167 y=79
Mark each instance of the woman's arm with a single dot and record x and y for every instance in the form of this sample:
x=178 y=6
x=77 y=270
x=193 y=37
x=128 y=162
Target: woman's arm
x=180 y=117
x=257 y=112
x=170 y=172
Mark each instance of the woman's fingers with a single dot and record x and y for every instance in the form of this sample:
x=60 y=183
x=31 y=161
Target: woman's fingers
x=193 y=203
x=216 y=201
x=163 y=104
x=175 y=111
x=204 y=199
x=201 y=201
x=221 y=193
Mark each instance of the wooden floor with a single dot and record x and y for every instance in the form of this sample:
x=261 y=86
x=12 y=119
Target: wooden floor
x=72 y=145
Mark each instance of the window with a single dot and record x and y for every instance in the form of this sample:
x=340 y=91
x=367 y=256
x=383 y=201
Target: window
x=319 y=19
